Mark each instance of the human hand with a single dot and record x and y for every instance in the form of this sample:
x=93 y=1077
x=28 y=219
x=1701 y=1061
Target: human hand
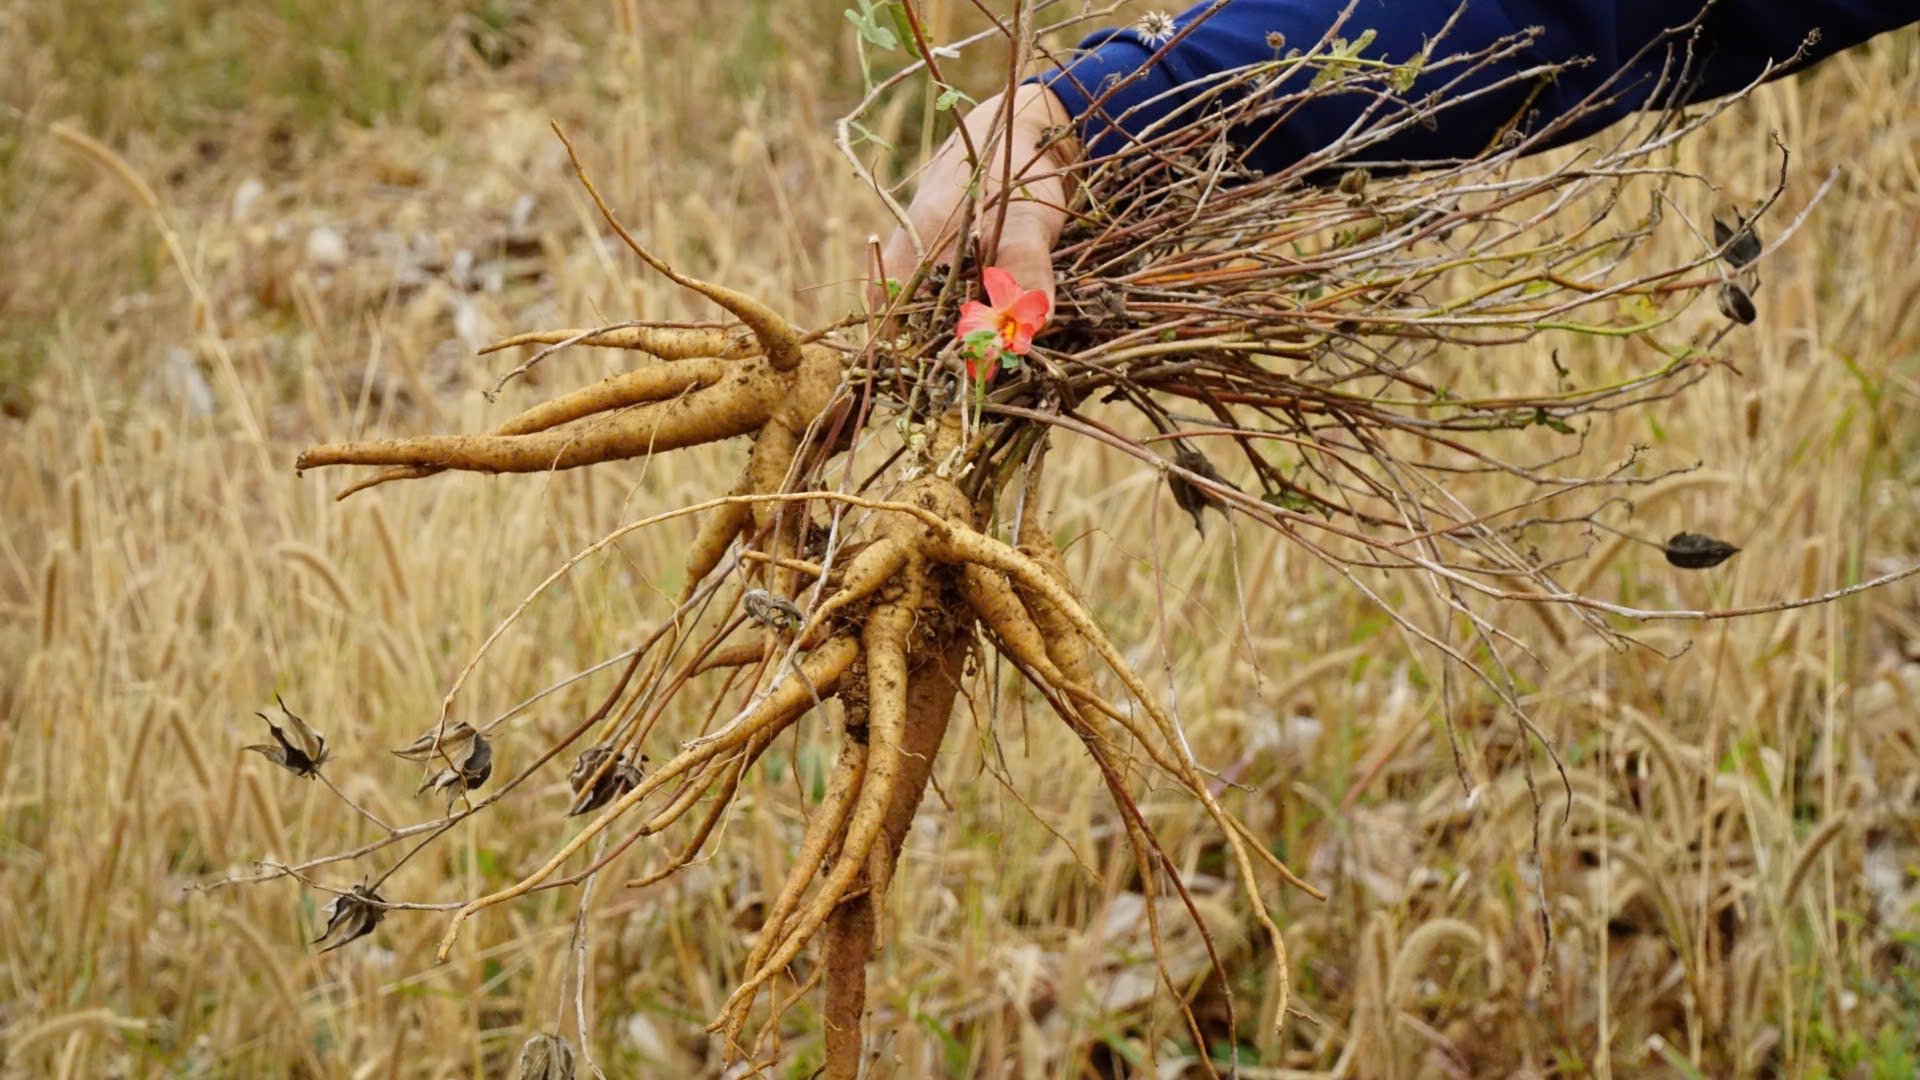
x=1035 y=215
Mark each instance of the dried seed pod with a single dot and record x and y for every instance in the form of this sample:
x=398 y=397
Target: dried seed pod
x=769 y=610
x=1353 y=184
x=586 y=765
x=546 y=1056
x=623 y=777
x=453 y=742
x=303 y=754
x=1697 y=551
x=1189 y=496
x=1733 y=234
x=1108 y=305
x=352 y=915
x=469 y=771
x=1735 y=304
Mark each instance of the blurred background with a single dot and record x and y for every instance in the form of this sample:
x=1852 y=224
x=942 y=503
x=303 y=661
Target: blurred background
x=232 y=230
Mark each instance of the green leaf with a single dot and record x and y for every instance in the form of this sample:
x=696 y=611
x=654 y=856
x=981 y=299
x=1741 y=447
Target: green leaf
x=1341 y=55
x=1543 y=418
x=867 y=22
x=1407 y=74
x=977 y=343
x=897 y=14
x=1296 y=502
x=948 y=98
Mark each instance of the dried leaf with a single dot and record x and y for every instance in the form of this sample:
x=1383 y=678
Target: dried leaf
x=303 y=754
x=623 y=777
x=546 y=1056
x=1735 y=304
x=1696 y=551
x=352 y=915
x=1189 y=496
x=1108 y=305
x=453 y=741
x=1736 y=238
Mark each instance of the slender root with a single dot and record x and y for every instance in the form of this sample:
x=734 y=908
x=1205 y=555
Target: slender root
x=884 y=642
x=667 y=343
x=729 y=784
x=1141 y=838
x=963 y=545
x=738 y=654
x=779 y=338
x=1066 y=648
x=803 y=567
x=656 y=382
x=1000 y=611
x=690 y=793
x=847 y=945
x=851 y=931
x=773 y=452
x=1018 y=636
x=716 y=535
x=866 y=574
x=738 y=405
x=849 y=771
x=818 y=673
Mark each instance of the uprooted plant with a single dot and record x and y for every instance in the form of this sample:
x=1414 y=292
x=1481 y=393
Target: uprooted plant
x=1313 y=329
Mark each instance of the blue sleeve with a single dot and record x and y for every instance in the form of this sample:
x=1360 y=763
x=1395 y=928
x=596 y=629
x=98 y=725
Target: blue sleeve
x=1737 y=40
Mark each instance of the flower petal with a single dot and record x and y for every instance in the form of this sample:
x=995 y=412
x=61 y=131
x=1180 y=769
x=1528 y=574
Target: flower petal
x=1001 y=288
x=1031 y=309
x=974 y=315
x=1022 y=339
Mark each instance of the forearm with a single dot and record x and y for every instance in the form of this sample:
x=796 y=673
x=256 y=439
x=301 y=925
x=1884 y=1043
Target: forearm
x=1118 y=96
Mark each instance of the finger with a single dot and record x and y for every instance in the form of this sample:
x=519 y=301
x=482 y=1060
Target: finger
x=1030 y=263
x=935 y=207
x=1026 y=245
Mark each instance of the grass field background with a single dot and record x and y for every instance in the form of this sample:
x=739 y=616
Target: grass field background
x=297 y=222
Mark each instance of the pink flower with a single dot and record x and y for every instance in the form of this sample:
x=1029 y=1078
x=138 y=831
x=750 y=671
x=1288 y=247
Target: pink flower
x=1014 y=316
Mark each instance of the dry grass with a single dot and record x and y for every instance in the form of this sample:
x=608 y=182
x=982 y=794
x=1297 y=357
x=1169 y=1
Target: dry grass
x=368 y=197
